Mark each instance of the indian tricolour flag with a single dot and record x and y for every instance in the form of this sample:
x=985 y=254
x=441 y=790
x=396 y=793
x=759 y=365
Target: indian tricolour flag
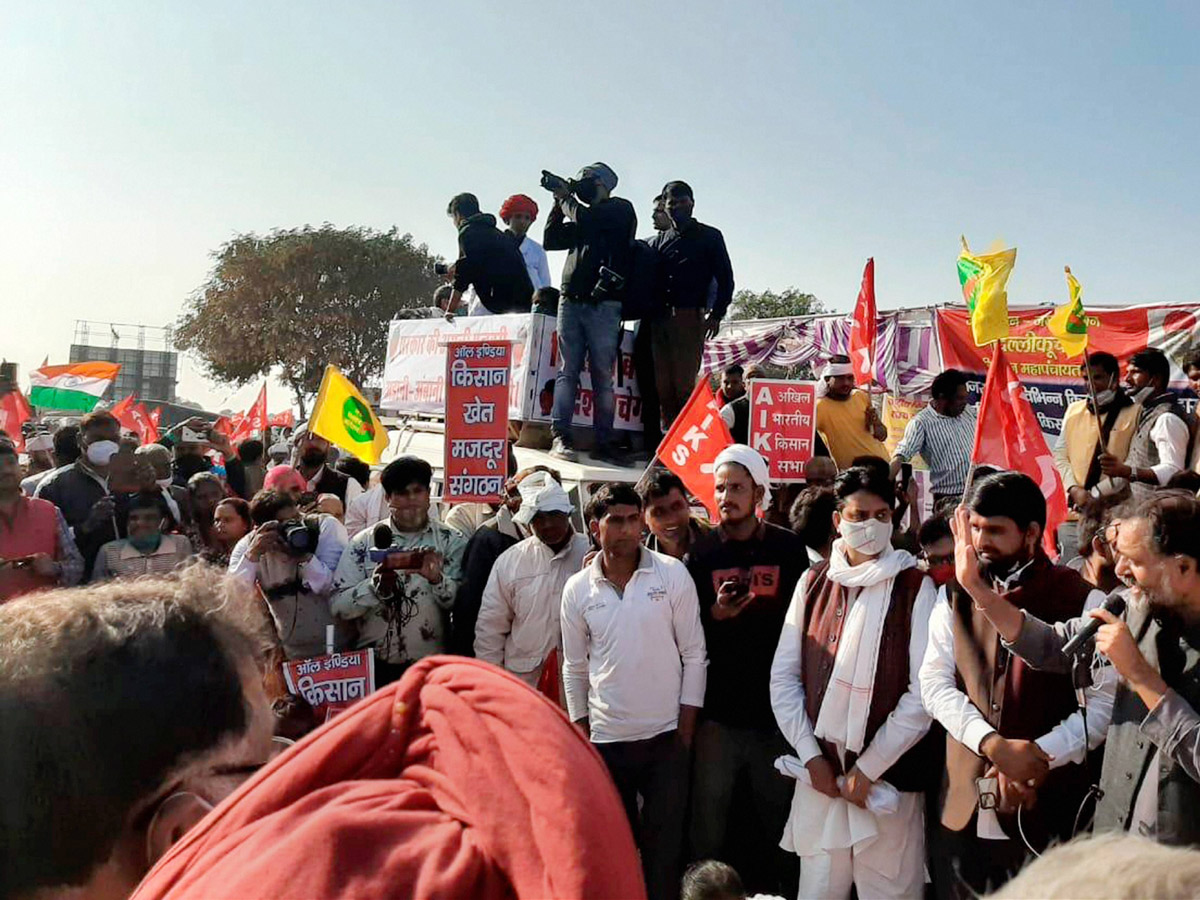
x=75 y=386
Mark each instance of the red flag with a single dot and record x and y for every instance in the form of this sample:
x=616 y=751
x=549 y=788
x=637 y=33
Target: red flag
x=863 y=329
x=14 y=412
x=123 y=412
x=256 y=415
x=146 y=427
x=549 y=681
x=156 y=416
x=286 y=419
x=1007 y=435
x=691 y=445
x=226 y=426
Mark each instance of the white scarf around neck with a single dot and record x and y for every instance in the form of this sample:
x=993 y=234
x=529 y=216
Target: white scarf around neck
x=842 y=719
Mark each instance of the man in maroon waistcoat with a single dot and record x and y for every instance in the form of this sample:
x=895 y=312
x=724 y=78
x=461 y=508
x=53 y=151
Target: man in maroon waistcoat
x=845 y=691
x=1013 y=776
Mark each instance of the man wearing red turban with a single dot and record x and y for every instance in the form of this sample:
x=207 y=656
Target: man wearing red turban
x=457 y=781
x=518 y=212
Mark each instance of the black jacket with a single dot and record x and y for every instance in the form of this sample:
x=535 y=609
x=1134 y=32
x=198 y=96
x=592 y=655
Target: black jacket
x=492 y=262
x=691 y=260
x=594 y=236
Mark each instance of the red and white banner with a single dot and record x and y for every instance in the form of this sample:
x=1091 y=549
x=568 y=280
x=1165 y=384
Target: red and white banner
x=1007 y=435
x=331 y=684
x=1052 y=380
x=693 y=442
x=783 y=416
x=864 y=328
x=477 y=382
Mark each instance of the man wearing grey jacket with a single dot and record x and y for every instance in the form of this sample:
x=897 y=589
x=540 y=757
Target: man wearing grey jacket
x=1150 y=780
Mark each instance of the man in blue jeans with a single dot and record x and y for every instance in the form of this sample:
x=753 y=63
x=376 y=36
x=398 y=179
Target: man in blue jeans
x=597 y=230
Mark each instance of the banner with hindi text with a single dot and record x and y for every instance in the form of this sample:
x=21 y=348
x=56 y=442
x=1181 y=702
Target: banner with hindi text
x=1052 y=379
x=330 y=684
x=476 y=447
x=783 y=416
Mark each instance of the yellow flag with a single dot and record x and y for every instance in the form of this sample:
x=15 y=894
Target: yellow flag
x=1069 y=322
x=345 y=419
x=983 y=278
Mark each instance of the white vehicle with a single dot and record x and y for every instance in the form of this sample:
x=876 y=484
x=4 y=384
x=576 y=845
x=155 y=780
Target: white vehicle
x=426 y=439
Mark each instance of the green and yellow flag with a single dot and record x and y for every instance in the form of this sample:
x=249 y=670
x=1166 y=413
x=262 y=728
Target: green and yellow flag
x=983 y=278
x=1069 y=322
x=345 y=419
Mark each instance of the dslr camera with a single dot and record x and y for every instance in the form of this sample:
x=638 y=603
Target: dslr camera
x=300 y=536
x=552 y=182
x=609 y=285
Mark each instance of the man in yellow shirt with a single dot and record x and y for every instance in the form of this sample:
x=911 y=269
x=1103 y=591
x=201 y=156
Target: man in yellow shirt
x=846 y=421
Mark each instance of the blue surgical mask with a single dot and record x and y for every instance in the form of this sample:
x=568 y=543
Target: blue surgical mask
x=147 y=544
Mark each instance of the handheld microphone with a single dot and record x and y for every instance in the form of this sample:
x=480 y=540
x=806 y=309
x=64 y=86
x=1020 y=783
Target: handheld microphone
x=1115 y=604
x=382 y=536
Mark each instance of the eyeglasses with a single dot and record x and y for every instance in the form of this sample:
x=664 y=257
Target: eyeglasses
x=939 y=559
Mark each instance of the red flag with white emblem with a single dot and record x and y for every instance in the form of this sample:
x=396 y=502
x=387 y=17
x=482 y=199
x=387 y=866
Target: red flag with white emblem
x=693 y=442
x=1008 y=435
x=863 y=329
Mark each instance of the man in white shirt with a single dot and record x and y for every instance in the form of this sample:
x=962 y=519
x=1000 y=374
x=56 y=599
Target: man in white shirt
x=518 y=625
x=1004 y=719
x=1158 y=450
x=312 y=454
x=634 y=673
x=846 y=694
x=296 y=582
x=518 y=212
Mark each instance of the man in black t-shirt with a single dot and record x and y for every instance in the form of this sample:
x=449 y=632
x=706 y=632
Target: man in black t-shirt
x=745 y=573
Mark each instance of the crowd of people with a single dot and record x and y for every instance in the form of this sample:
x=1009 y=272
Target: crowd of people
x=833 y=688
x=835 y=694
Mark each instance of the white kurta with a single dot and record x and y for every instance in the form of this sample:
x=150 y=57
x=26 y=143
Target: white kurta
x=841 y=844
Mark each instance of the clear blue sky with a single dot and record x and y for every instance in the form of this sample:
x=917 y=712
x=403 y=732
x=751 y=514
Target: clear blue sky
x=136 y=137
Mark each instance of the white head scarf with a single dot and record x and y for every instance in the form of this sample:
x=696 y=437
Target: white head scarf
x=753 y=463
x=833 y=370
x=541 y=493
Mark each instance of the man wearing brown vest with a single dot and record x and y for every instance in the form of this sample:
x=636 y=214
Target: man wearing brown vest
x=1077 y=453
x=845 y=691
x=1014 y=734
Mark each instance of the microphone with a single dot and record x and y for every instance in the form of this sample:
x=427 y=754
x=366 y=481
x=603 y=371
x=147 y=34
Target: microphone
x=1115 y=604
x=382 y=536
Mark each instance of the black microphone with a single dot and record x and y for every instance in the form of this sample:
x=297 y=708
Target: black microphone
x=382 y=536
x=1115 y=604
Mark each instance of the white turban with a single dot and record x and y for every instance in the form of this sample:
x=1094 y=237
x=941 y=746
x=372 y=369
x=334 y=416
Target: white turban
x=751 y=460
x=541 y=493
x=39 y=442
x=833 y=370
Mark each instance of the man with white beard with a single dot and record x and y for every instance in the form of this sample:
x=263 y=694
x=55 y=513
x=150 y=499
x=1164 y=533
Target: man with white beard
x=1150 y=781
x=846 y=694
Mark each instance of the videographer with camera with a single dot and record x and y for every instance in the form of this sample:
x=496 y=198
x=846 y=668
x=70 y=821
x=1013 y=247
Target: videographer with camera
x=597 y=230
x=488 y=260
x=398 y=579
x=291 y=559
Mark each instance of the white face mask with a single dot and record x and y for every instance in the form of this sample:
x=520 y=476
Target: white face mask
x=163 y=482
x=1144 y=394
x=101 y=452
x=869 y=538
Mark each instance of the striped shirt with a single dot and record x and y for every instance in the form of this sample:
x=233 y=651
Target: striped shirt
x=120 y=559
x=944 y=442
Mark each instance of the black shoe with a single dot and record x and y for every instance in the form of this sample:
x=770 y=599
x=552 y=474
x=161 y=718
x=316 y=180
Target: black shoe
x=562 y=449
x=612 y=456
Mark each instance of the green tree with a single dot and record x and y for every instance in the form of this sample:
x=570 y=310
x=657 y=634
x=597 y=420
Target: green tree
x=770 y=305
x=298 y=299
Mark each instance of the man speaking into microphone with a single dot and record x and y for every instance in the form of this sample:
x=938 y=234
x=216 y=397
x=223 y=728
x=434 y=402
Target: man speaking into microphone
x=1150 y=780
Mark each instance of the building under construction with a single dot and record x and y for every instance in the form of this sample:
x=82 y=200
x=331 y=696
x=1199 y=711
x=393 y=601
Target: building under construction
x=149 y=363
